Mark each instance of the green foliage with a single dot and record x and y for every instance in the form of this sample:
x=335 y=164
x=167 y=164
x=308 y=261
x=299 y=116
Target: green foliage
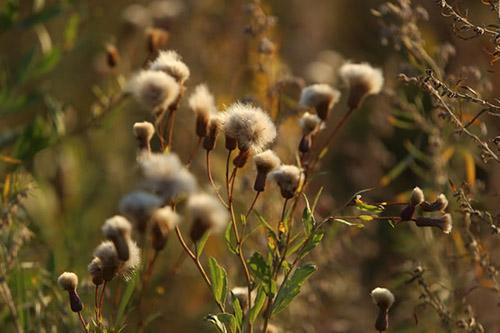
x=291 y=287
x=218 y=278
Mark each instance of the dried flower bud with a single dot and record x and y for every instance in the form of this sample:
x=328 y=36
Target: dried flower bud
x=157 y=39
x=320 y=97
x=68 y=281
x=384 y=299
x=439 y=204
x=417 y=197
x=407 y=213
x=95 y=271
x=288 y=178
x=206 y=213
x=213 y=131
x=265 y=162
x=117 y=229
x=112 y=55
x=363 y=80
x=309 y=123
x=144 y=132
x=445 y=222
x=163 y=221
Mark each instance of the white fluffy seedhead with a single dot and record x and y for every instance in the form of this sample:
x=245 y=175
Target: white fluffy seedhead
x=266 y=161
x=166 y=176
x=144 y=130
x=127 y=268
x=441 y=202
x=208 y=211
x=166 y=218
x=309 y=122
x=252 y=128
x=138 y=207
x=382 y=297
x=417 y=196
x=117 y=226
x=320 y=97
x=201 y=101
x=170 y=62
x=362 y=80
x=68 y=281
x=155 y=90
x=288 y=179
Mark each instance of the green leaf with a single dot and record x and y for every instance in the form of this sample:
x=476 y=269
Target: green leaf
x=313 y=241
x=291 y=287
x=307 y=218
x=214 y=320
x=238 y=313
x=261 y=270
x=228 y=237
x=71 y=31
x=127 y=295
x=200 y=245
x=218 y=278
x=260 y=299
x=41 y=16
x=351 y=224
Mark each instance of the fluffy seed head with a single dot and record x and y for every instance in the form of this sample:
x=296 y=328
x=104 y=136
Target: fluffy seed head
x=363 y=80
x=206 y=213
x=417 y=197
x=164 y=220
x=288 y=178
x=128 y=267
x=213 y=131
x=117 y=226
x=382 y=297
x=171 y=63
x=445 y=222
x=68 y=281
x=202 y=103
x=266 y=161
x=309 y=122
x=320 y=97
x=166 y=176
x=143 y=132
x=440 y=204
x=107 y=254
x=250 y=126
x=138 y=207
x=95 y=271
x=153 y=89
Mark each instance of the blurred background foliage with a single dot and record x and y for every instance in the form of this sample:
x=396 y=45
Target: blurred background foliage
x=66 y=156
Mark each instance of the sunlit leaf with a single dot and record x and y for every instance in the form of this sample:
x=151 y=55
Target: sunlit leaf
x=218 y=278
x=291 y=287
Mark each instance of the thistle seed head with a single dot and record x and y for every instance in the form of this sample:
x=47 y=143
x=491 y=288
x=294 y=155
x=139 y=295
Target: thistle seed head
x=163 y=221
x=95 y=271
x=288 y=178
x=170 y=62
x=138 y=207
x=382 y=297
x=202 y=103
x=68 y=281
x=153 y=89
x=363 y=80
x=309 y=123
x=249 y=126
x=206 y=213
x=320 y=97
x=144 y=132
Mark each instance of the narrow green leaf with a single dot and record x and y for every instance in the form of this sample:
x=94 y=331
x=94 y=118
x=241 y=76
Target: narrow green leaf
x=291 y=287
x=260 y=299
x=200 y=245
x=218 y=278
x=261 y=270
x=238 y=313
x=351 y=224
x=214 y=320
x=228 y=237
x=313 y=241
x=127 y=295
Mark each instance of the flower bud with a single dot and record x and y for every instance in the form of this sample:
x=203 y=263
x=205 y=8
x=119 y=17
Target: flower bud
x=445 y=222
x=417 y=197
x=213 y=131
x=384 y=299
x=163 y=221
x=144 y=132
x=439 y=204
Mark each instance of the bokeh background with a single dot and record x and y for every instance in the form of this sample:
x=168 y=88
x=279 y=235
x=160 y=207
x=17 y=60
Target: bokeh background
x=53 y=75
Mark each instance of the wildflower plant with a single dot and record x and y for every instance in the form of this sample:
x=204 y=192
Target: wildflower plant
x=250 y=185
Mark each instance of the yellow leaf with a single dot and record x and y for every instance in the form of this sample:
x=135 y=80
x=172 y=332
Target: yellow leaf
x=366 y=217
x=470 y=168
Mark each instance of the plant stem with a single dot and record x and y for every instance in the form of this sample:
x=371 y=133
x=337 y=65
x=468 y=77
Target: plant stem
x=170 y=126
x=83 y=322
x=101 y=301
x=252 y=205
x=197 y=263
x=97 y=305
x=209 y=174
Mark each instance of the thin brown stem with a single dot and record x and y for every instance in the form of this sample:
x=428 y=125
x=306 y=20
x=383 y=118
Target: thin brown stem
x=209 y=174
x=197 y=263
x=101 y=301
x=84 y=324
x=170 y=127
x=252 y=205
x=96 y=296
x=228 y=159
